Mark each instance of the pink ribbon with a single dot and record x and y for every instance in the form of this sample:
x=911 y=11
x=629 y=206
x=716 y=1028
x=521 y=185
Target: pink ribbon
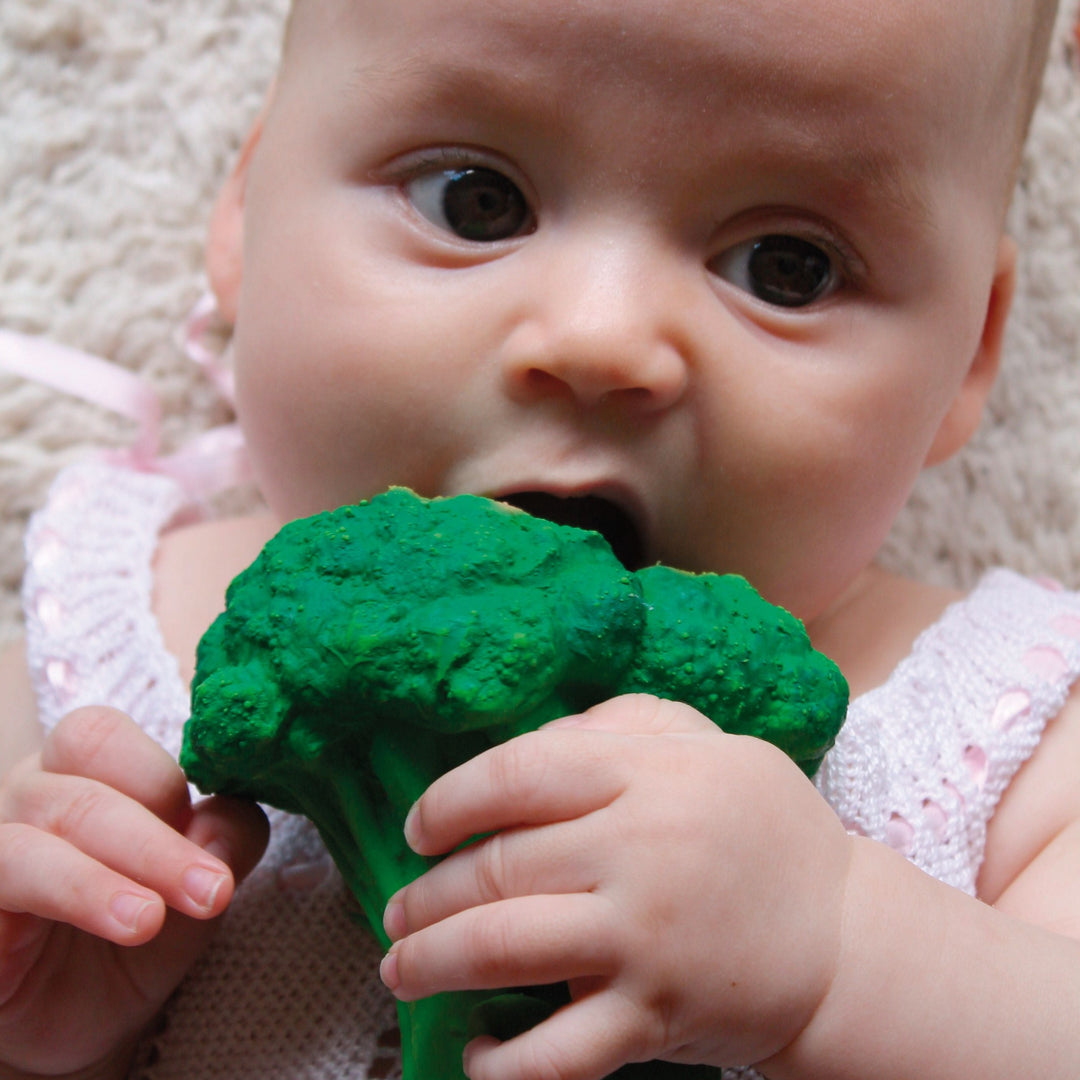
x=208 y=463
x=193 y=341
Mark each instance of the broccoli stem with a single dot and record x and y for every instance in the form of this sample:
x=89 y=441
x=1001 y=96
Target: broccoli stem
x=367 y=844
x=434 y=1030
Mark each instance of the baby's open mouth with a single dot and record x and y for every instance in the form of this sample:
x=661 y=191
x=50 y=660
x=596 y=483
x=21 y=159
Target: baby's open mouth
x=601 y=515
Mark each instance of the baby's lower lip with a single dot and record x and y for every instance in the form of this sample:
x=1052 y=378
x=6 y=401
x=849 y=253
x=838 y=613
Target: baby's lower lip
x=587 y=512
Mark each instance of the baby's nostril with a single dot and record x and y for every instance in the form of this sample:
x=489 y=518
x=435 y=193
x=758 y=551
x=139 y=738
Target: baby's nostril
x=587 y=512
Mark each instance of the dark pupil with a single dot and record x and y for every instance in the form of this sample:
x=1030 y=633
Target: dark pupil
x=788 y=271
x=481 y=204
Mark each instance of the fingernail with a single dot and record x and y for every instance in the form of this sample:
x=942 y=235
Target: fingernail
x=394 y=920
x=388 y=971
x=410 y=824
x=127 y=909
x=201 y=885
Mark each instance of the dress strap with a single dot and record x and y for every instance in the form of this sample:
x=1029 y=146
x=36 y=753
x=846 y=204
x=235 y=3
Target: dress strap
x=923 y=760
x=91 y=634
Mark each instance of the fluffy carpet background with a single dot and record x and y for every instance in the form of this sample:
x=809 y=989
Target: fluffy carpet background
x=118 y=120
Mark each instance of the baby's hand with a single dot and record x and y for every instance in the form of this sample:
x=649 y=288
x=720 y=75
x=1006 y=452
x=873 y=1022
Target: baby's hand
x=686 y=883
x=109 y=882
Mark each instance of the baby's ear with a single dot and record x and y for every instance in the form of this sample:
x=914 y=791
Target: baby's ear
x=967 y=408
x=225 y=238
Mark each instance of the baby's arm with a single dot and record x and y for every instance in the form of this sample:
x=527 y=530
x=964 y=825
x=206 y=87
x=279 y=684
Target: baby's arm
x=1001 y=973
x=1032 y=864
x=699 y=917
x=110 y=881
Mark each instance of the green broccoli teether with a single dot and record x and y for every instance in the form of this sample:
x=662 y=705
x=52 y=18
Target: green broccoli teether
x=369 y=650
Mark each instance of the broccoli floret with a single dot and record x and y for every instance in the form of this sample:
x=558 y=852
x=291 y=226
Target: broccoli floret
x=370 y=649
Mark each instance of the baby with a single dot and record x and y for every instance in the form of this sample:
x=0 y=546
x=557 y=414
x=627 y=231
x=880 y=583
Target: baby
x=728 y=275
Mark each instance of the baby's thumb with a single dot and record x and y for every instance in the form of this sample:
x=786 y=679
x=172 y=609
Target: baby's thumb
x=233 y=830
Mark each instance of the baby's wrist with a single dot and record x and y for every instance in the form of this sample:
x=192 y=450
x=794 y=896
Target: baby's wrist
x=811 y=1046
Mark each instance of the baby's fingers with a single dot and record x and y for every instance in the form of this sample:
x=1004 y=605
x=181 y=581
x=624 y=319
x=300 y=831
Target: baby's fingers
x=106 y=745
x=526 y=941
x=586 y=1040
x=546 y=859
x=122 y=835
x=534 y=779
x=235 y=830
x=45 y=876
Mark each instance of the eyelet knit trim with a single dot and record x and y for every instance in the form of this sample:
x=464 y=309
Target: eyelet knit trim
x=923 y=760
x=91 y=634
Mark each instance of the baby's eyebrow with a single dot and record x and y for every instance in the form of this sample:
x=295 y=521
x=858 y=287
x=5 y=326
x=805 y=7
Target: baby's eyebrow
x=895 y=188
x=416 y=82
x=861 y=163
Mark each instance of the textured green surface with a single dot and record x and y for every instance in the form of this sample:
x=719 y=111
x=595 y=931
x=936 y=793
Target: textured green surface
x=368 y=650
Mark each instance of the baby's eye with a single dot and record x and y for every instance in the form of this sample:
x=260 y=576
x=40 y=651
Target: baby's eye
x=475 y=203
x=783 y=270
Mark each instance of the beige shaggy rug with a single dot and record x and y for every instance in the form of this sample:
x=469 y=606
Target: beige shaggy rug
x=118 y=120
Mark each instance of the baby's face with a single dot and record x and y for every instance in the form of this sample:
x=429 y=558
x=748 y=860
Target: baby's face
x=723 y=265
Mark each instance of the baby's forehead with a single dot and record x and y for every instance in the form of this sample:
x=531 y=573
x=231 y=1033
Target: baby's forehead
x=842 y=17
x=950 y=64
x=926 y=33
x=772 y=45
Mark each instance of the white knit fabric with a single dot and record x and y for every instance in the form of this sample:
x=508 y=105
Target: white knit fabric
x=289 y=990
x=91 y=634
x=921 y=762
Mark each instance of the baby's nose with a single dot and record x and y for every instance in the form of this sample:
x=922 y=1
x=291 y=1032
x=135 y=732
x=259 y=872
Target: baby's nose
x=601 y=326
